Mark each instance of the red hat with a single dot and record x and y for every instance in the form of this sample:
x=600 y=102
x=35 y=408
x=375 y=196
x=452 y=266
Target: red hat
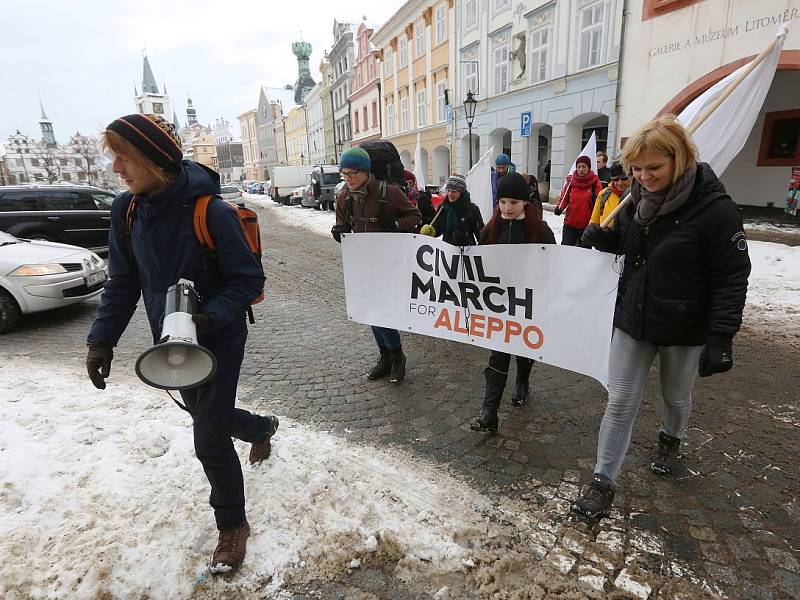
x=585 y=160
x=409 y=176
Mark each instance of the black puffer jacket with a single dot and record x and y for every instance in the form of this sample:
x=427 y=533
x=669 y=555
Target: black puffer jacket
x=685 y=275
x=461 y=215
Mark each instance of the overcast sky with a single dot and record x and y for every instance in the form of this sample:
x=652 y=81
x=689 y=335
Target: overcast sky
x=83 y=56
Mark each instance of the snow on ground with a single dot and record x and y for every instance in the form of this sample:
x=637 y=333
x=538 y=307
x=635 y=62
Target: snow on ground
x=102 y=495
x=774 y=287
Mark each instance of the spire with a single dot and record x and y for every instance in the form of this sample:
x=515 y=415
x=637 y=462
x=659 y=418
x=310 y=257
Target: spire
x=148 y=81
x=164 y=85
x=46 y=125
x=175 y=121
x=135 y=91
x=191 y=111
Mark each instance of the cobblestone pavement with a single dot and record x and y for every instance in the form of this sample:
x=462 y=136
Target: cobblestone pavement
x=729 y=521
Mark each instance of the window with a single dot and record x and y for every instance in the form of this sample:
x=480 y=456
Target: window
x=470 y=14
x=404 y=122
x=501 y=5
x=67 y=200
x=440 y=25
x=540 y=51
x=419 y=42
x=390 y=118
x=20 y=162
x=421 y=108
x=591 y=35
x=355 y=122
x=12 y=201
x=402 y=53
x=66 y=176
x=471 y=76
x=500 y=57
x=441 y=107
x=374 y=114
x=62 y=162
x=103 y=201
x=388 y=57
x=780 y=140
x=370 y=67
x=35 y=162
x=364 y=120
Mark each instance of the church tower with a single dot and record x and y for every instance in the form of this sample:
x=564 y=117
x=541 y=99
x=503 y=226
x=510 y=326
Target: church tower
x=48 y=136
x=302 y=50
x=191 y=113
x=151 y=100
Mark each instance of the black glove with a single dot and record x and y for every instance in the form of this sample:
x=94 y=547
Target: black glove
x=203 y=322
x=594 y=235
x=337 y=231
x=98 y=363
x=717 y=356
x=557 y=211
x=460 y=238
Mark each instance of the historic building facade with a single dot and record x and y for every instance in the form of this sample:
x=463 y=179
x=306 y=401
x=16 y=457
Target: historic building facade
x=416 y=73
x=703 y=42
x=365 y=122
x=341 y=57
x=247 y=125
x=544 y=74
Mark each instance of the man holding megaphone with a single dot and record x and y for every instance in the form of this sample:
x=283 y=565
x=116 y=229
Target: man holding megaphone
x=196 y=303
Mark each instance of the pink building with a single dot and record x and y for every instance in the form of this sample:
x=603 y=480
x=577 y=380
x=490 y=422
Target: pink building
x=365 y=118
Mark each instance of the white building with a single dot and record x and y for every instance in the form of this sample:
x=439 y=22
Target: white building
x=675 y=50
x=151 y=100
x=316 y=126
x=549 y=63
x=341 y=56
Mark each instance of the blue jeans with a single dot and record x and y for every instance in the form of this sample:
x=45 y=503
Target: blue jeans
x=387 y=339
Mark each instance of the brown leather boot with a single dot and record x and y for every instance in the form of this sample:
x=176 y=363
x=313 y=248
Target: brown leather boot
x=260 y=450
x=231 y=549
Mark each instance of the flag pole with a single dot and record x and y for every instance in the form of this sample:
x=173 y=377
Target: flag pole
x=707 y=113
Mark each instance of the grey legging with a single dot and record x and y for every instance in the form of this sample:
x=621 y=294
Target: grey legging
x=629 y=363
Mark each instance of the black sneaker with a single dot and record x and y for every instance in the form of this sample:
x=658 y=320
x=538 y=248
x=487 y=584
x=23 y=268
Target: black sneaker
x=667 y=454
x=597 y=500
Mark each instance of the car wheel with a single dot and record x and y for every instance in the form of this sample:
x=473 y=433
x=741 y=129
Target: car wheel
x=9 y=312
x=319 y=206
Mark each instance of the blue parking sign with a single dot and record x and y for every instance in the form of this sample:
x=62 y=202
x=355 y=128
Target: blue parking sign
x=525 y=127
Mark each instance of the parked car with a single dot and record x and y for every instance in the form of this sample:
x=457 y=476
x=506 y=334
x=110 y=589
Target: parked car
x=79 y=215
x=323 y=181
x=296 y=197
x=39 y=275
x=230 y=192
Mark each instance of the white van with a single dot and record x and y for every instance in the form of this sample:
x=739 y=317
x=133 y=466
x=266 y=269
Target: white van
x=286 y=179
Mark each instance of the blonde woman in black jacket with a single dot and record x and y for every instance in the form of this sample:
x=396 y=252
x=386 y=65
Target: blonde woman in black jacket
x=680 y=295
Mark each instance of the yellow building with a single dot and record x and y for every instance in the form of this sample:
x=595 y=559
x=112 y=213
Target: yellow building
x=203 y=150
x=415 y=67
x=247 y=124
x=296 y=133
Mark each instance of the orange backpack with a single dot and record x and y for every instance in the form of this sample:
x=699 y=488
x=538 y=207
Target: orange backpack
x=248 y=219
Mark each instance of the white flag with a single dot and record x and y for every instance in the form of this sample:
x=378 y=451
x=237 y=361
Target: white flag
x=419 y=170
x=590 y=150
x=479 y=184
x=724 y=133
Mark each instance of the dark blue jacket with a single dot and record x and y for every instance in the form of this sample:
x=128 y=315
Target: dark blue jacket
x=165 y=248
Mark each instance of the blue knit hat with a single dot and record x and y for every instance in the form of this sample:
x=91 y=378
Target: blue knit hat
x=355 y=158
x=502 y=159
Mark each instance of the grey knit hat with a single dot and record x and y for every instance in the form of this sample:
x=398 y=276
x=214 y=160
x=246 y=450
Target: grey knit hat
x=457 y=183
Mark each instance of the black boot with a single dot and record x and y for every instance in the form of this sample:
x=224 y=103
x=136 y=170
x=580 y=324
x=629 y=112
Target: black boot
x=667 y=454
x=521 y=389
x=597 y=500
x=398 y=366
x=488 y=422
x=383 y=367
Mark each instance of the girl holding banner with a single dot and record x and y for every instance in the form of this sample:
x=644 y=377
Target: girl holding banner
x=680 y=295
x=515 y=221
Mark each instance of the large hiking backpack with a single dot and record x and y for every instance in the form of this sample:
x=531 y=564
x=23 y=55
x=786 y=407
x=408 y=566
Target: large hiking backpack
x=385 y=162
x=248 y=219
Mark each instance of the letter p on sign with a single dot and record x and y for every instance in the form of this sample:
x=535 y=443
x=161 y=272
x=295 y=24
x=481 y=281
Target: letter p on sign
x=525 y=125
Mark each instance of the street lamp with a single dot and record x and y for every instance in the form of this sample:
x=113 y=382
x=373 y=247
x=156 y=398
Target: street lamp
x=470 y=104
x=302 y=158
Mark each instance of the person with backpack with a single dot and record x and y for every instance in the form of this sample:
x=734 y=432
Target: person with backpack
x=515 y=221
x=419 y=198
x=367 y=205
x=502 y=165
x=609 y=197
x=153 y=244
x=577 y=200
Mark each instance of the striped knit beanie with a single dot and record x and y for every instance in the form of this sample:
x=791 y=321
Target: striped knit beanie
x=152 y=136
x=457 y=183
x=355 y=158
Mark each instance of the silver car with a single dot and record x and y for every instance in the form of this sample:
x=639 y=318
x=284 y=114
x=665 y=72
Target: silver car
x=38 y=275
x=230 y=192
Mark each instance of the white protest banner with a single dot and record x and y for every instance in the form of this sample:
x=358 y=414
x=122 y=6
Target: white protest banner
x=479 y=184
x=552 y=303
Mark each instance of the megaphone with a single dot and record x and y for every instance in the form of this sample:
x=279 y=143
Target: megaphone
x=177 y=362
